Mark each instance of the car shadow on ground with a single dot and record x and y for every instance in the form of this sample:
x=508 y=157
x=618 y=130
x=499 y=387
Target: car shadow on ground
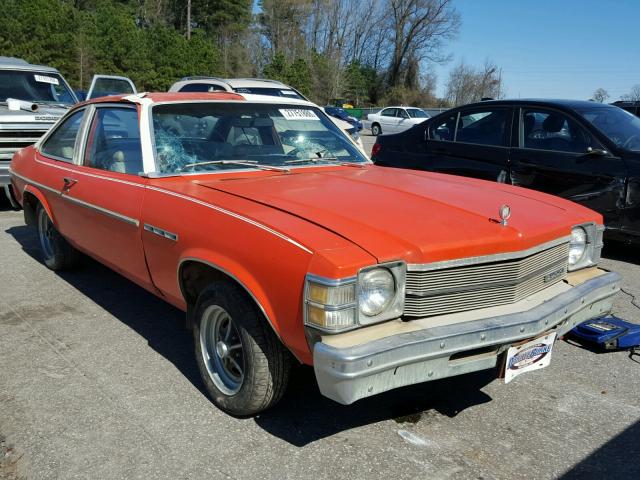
x=622 y=252
x=616 y=459
x=303 y=415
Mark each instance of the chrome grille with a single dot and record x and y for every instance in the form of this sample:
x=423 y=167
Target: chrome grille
x=13 y=140
x=456 y=289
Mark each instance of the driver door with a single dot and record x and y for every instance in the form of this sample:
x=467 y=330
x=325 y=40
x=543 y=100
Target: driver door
x=558 y=155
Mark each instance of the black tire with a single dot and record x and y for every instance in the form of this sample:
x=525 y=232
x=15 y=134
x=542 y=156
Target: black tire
x=376 y=130
x=265 y=361
x=57 y=253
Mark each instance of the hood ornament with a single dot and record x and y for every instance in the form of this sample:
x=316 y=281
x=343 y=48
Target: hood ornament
x=505 y=214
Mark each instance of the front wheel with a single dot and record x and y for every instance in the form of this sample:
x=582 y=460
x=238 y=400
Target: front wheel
x=375 y=130
x=57 y=253
x=244 y=366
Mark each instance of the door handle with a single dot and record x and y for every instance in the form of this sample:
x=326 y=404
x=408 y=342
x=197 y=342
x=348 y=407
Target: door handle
x=68 y=183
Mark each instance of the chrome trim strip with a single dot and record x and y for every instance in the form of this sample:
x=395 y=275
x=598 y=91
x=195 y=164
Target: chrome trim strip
x=232 y=214
x=104 y=211
x=160 y=232
x=88 y=174
x=330 y=282
x=496 y=257
x=33 y=182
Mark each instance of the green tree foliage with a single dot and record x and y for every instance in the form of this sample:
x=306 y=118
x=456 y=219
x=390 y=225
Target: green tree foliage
x=41 y=31
x=296 y=73
x=104 y=36
x=361 y=51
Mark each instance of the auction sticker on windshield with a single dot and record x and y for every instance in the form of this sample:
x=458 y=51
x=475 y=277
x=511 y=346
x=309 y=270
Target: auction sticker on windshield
x=45 y=79
x=298 y=114
x=533 y=355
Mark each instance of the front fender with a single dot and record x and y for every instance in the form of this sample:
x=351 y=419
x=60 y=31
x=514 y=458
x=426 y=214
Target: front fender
x=288 y=330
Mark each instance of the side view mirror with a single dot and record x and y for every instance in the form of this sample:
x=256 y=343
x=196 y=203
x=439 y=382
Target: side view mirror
x=599 y=152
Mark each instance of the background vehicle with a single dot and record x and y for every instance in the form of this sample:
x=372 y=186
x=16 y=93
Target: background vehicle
x=583 y=151
x=395 y=119
x=255 y=86
x=631 y=107
x=105 y=85
x=280 y=240
x=342 y=114
x=32 y=99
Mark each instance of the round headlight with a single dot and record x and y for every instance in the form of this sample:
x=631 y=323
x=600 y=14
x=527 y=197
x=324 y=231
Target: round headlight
x=376 y=291
x=577 y=245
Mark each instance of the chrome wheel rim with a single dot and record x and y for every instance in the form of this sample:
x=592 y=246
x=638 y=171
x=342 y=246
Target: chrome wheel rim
x=45 y=234
x=222 y=351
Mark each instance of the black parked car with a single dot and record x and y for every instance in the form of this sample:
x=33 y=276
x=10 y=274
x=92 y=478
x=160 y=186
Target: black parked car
x=585 y=151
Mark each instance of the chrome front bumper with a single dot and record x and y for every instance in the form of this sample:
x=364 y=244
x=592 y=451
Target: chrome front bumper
x=349 y=374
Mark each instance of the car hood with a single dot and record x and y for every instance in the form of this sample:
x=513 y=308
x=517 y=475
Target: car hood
x=415 y=216
x=44 y=114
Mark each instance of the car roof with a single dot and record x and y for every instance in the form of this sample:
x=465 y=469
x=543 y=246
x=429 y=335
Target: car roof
x=13 y=63
x=401 y=106
x=162 y=97
x=237 y=82
x=252 y=97
x=542 y=102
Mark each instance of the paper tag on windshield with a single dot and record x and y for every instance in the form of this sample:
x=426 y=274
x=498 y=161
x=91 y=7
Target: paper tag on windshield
x=45 y=79
x=298 y=114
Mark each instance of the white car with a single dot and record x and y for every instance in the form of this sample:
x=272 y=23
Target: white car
x=395 y=119
x=256 y=86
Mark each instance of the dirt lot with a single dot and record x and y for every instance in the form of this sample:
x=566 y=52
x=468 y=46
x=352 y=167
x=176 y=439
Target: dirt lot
x=97 y=380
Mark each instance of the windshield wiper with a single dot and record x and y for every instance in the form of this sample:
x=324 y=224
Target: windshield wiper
x=246 y=163
x=331 y=160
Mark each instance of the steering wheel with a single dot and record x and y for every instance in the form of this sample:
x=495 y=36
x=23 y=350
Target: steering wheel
x=630 y=140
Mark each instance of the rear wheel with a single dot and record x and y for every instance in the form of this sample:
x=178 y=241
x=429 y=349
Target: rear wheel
x=244 y=366
x=376 y=130
x=57 y=253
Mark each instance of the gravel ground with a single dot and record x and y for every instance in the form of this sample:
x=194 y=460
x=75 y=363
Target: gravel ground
x=98 y=380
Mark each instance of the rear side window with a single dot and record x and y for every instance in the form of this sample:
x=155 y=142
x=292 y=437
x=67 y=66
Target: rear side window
x=62 y=141
x=388 y=112
x=483 y=127
x=114 y=141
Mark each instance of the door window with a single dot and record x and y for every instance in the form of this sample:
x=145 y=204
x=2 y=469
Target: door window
x=388 y=112
x=444 y=130
x=114 y=141
x=483 y=127
x=104 y=85
x=402 y=113
x=61 y=142
x=551 y=130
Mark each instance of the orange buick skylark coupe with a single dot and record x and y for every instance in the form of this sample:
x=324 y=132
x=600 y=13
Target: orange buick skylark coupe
x=280 y=240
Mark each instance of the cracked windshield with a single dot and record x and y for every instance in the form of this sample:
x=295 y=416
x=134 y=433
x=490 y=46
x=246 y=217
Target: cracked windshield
x=217 y=136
